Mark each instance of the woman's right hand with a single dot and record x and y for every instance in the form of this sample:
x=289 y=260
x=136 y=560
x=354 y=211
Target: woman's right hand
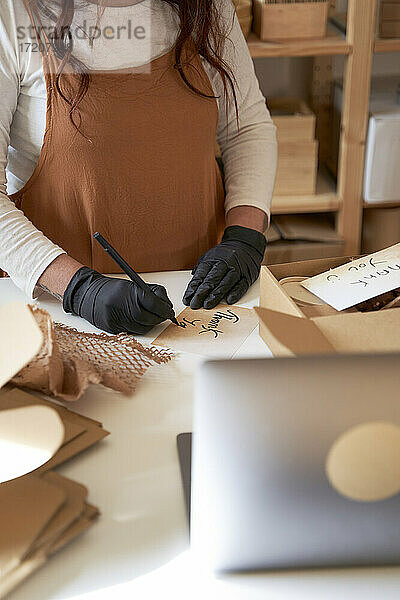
x=116 y=305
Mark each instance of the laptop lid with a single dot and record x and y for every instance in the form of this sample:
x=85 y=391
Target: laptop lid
x=296 y=462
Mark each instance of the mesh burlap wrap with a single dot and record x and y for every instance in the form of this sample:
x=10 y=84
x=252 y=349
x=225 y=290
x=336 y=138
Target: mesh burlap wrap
x=69 y=360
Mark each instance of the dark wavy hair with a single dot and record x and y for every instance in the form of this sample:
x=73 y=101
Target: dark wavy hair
x=199 y=21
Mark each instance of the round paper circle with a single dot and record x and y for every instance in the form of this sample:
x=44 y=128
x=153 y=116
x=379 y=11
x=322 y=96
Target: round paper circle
x=293 y=287
x=29 y=436
x=364 y=463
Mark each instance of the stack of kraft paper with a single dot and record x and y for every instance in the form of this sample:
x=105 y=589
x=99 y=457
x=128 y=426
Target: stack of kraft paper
x=41 y=510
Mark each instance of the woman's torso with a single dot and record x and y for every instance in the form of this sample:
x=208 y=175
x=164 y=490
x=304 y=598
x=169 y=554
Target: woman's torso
x=140 y=165
x=142 y=32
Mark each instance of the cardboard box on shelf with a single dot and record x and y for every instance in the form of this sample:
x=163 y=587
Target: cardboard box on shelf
x=285 y=21
x=296 y=173
x=389 y=21
x=297 y=147
x=293 y=118
x=291 y=330
x=390 y=10
x=390 y=29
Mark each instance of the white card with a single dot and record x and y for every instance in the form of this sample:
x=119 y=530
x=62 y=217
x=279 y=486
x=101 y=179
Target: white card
x=217 y=333
x=358 y=280
x=20 y=339
x=29 y=436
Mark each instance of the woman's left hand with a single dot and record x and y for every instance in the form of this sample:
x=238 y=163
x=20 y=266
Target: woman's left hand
x=227 y=270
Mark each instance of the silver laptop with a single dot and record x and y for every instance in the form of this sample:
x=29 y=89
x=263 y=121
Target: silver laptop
x=296 y=462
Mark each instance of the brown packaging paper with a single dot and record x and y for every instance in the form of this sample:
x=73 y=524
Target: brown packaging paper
x=69 y=360
x=39 y=557
x=71 y=510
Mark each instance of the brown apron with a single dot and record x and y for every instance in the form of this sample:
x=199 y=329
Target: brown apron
x=145 y=175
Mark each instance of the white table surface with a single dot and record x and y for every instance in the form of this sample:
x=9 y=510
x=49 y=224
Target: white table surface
x=139 y=547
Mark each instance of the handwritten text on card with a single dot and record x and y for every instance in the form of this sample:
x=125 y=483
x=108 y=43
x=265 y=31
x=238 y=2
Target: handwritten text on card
x=213 y=333
x=358 y=280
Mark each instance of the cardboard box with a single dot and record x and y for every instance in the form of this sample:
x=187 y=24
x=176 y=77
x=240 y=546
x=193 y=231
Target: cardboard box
x=297 y=168
x=390 y=10
x=294 y=21
x=389 y=22
x=289 y=331
x=390 y=29
x=293 y=118
x=297 y=149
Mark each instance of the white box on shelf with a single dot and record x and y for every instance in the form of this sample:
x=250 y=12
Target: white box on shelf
x=382 y=159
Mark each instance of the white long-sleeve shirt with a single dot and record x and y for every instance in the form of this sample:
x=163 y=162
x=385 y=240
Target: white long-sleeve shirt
x=248 y=153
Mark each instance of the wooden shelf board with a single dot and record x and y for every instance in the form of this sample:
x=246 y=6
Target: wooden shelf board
x=333 y=44
x=325 y=199
x=382 y=204
x=387 y=45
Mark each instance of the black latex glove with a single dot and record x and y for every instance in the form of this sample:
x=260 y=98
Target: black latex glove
x=116 y=305
x=227 y=270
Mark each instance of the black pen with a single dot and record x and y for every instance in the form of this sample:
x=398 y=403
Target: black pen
x=125 y=267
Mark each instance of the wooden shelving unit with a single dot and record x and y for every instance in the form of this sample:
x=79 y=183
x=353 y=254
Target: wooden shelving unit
x=333 y=44
x=358 y=45
x=339 y=21
x=382 y=205
x=387 y=45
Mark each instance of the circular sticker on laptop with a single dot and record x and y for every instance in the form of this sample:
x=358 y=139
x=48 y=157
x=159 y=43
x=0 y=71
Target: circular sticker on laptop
x=363 y=464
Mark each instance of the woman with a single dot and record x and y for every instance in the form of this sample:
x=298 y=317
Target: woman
x=109 y=112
